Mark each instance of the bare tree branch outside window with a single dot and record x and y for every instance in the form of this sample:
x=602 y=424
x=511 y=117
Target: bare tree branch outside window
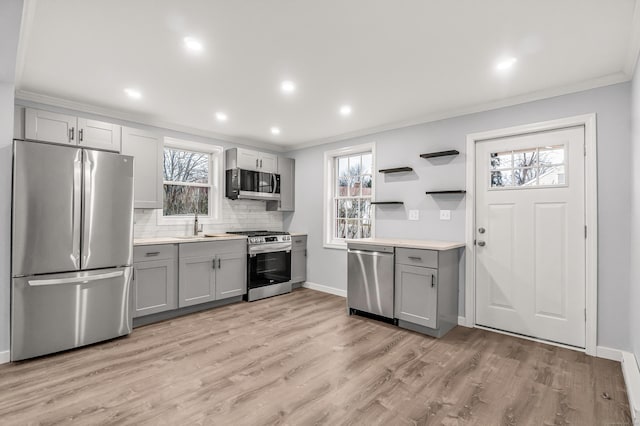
x=186 y=186
x=352 y=199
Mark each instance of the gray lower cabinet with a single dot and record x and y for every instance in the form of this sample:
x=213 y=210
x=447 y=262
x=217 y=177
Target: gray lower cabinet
x=212 y=271
x=426 y=290
x=155 y=279
x=298 y=259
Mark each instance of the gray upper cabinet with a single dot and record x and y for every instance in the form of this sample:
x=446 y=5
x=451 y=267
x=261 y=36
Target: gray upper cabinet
x=68 y=129
x=147 y=150
x=248 y=159
x=211 y=271
x=298 y=259
x=155 y=279
x=287 y=171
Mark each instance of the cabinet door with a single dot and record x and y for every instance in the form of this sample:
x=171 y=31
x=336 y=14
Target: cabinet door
x=298 y=265
x=197 y=280
x=248 y=159
x=231 y=275
x=49 y=126
x=147 y=150
x=98 y=134
x=155 y=287
x=268 y=163
x=416 y=296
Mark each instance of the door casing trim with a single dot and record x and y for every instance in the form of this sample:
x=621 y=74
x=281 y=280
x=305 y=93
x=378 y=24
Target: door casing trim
x=591 y=215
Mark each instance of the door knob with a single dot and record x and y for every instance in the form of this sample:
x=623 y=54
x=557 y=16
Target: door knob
x=482 y=243
x=481 y=230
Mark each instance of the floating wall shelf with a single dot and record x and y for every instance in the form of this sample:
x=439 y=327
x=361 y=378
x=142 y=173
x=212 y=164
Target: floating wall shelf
x=439 y=154
x=396 y=170
x=387 y=202
x=455 y=191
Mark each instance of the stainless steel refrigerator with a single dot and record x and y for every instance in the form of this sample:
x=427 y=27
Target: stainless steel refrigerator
x=72 y=247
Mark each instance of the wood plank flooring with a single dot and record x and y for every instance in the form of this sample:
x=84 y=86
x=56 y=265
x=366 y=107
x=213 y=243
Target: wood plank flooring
x=299 y=359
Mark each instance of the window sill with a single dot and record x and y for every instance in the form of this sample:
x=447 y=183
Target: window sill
x=335 y=246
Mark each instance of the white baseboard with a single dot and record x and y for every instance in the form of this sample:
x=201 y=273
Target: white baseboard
x=631 y=374
x=4 y=357
x=462 y=321
x=325 y=289
x=609 y=353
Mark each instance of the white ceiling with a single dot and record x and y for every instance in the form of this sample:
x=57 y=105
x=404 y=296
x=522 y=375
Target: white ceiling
x=394 y=62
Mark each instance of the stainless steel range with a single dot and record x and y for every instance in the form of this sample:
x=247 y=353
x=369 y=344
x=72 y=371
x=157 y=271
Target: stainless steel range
x=268 y=263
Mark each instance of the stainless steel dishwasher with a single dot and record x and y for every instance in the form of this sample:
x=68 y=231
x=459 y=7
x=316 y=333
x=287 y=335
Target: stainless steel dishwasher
x=370 y=279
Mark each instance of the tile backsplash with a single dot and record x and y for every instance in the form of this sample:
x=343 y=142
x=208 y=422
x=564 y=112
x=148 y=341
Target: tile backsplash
x=237 y=215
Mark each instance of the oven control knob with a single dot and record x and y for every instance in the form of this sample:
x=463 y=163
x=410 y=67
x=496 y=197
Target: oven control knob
x=286 y=238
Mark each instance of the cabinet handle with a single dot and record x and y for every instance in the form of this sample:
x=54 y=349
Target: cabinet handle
x=72 y=132
x=260 y=163
x=81 y=134
x=257 y=163
x=218 y=263
x=305 y=252
x=152 y=253
x=297 y=241
x=213 y=263
x=415 y=258
x=433 y=280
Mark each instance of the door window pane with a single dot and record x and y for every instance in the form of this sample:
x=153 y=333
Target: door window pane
x=539 y=166
x=501 y=160
x=525 y=177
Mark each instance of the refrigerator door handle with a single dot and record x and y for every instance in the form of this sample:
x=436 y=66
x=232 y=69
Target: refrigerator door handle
x=75 y=280
x=77 y=208
x=86 y=206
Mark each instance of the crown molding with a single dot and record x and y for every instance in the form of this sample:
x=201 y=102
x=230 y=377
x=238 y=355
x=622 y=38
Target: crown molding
x=25 y=97
x=607 y=80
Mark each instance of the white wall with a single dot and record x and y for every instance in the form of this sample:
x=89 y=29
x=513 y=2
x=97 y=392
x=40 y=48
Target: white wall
x=634 y=164
x=401 y=147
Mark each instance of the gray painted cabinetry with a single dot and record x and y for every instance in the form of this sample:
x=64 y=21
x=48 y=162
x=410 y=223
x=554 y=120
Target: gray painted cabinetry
x=287 y=172
x=298 y=259
x=47 y=126
x=147 y=151
x=155 y=279
x=426 y=290
x=211 y=271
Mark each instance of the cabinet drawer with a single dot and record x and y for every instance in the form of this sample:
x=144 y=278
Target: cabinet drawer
x=213 y=248
x=417 y=257
x=299 y=241
x=157 y=252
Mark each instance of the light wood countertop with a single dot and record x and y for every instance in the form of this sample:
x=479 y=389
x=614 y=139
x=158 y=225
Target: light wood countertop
x=417 y=244
x=183 y=240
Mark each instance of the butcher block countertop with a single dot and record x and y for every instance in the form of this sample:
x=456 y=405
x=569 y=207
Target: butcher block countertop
x=416 y=244
x=182 y=240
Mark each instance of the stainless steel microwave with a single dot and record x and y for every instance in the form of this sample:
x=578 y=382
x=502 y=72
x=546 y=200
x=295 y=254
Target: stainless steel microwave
x=252 y=185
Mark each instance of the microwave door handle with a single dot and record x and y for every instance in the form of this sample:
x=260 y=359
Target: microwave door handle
x=275 y=182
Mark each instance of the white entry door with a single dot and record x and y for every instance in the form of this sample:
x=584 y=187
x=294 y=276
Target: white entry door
x=530 y=233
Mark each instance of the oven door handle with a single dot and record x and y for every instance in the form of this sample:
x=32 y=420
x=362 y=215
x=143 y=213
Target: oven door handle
x=270 y=248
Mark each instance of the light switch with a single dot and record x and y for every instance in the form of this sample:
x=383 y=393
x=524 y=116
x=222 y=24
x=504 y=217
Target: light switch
x=414 y=214
x=445 y=214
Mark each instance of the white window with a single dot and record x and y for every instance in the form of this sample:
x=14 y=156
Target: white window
x=349 y=189
x=192 y=177
x=538 y=166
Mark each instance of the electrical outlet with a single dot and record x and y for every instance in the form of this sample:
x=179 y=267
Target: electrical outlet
x=414 y=214
x=445 y=214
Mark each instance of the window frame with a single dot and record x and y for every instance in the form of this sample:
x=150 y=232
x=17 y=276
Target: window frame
x=215 y=182
x=330 y=185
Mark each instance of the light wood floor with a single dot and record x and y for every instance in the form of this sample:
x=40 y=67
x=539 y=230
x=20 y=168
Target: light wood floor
x=299 y=359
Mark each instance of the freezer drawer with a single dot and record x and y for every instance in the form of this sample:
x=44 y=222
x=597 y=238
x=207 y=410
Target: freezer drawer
x=370 y=279
x=51 y=313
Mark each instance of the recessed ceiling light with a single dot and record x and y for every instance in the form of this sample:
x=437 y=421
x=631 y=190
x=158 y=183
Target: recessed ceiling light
x=345 y=110
x=221 y=116
x=133 y=93
x=288 y=86
x=192 y=44
x=506 y=63
x=275 y=130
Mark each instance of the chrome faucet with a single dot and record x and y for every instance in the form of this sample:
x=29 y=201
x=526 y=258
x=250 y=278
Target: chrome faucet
x=196 y=226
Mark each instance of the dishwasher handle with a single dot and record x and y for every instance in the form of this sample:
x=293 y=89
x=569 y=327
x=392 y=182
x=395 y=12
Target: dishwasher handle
x=369 y=253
